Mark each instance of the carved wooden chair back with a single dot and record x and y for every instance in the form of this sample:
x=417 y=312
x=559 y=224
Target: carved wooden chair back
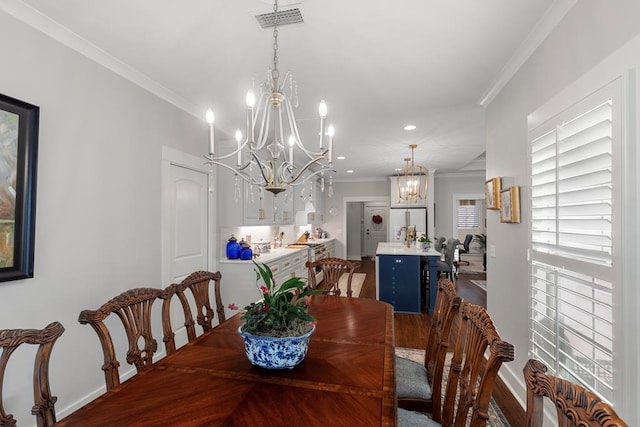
x=11 y=339
x=198 y=284
x=471 y=378
x=332 y=270
x=133 y=308
x=575 y=405
x=446 y=308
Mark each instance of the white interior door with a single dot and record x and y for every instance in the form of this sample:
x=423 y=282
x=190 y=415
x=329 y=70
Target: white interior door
x=189 y=221
x=375 y=232
x=187 y=218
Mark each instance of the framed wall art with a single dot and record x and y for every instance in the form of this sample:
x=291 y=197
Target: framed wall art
x=510 y=205
x=492 y=193
x=19 y=123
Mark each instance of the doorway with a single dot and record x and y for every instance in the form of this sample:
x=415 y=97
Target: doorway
x=362 y=232
x=187 y=216
x=468 y=216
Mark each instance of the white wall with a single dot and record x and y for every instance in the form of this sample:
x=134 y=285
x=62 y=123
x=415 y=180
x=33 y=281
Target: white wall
x=98 y=227
x=446 y=186
x=579 y=49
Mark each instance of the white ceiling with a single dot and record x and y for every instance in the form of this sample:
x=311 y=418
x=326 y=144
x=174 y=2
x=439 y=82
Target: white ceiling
x=379 y=65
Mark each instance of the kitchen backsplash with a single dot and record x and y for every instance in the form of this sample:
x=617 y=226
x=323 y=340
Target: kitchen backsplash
x=261 y=234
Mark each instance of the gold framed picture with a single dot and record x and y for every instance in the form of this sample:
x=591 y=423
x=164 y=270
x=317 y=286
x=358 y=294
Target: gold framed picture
x=492 y=193
x=510 y=205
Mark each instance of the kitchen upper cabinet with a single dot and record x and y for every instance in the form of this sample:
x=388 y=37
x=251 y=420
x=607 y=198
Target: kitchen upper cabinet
x=243 y=204
x=262 y=207
x=309 y=204
x=395 y=198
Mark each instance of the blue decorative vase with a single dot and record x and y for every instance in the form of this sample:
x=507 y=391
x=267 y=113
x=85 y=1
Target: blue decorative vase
x=245 y=252
x=233 y=248
x=275 y=352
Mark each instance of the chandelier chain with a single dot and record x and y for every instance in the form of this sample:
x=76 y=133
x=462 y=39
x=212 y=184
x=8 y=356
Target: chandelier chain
x=276 y=72
x=271 y=118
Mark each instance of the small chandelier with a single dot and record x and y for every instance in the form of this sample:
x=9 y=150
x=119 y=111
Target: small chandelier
x=412 y=180
x=261 y=156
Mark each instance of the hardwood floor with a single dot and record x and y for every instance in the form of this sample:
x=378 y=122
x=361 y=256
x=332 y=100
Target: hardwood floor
x=411 y=330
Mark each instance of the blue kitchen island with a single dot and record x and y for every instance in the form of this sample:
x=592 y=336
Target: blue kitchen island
x=399 y=272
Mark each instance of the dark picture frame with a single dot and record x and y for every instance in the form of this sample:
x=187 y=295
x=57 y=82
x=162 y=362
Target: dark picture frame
x=19 y=126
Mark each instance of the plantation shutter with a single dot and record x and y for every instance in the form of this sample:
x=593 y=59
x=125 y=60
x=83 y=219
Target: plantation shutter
x=571 y=241
x=468 y=216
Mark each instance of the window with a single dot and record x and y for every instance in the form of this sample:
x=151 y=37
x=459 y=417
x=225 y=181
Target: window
x=467 y=214
x=572 y=292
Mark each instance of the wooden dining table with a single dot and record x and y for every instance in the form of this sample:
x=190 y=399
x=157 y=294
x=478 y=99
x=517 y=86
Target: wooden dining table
x=346 y=379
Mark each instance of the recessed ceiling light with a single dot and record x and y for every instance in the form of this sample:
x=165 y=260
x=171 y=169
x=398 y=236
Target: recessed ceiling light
x=350 y=171
x=341 y=157
x=410 y=127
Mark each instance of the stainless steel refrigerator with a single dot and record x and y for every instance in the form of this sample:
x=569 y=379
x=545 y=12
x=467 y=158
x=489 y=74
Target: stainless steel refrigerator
x=399 y=218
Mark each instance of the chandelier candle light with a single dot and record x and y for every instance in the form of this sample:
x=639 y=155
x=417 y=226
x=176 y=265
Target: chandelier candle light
x=412 y=180
x=273 y=115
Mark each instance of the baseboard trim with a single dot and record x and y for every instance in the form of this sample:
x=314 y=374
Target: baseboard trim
x=509 y=404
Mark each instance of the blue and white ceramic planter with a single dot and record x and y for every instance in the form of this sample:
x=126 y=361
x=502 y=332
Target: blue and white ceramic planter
x=276 y=353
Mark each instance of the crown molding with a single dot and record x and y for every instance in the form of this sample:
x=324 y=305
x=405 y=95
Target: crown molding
x=462 y=174
x=540 y=32
x=63 y=35
x=363 y=179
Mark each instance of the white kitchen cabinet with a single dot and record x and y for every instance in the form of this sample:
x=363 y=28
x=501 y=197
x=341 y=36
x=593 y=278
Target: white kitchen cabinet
x=261 y=207
x=309 y=204
x=331 y=249
x=238 y=285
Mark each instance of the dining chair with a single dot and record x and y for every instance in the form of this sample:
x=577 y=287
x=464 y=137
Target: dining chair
x=133 y=308
x=415 y=381
x=447 y=266
x=471 y=377
x=465 y=248
x=198 y=285
x=10 y=340
x=331 y=270
x=574 y=404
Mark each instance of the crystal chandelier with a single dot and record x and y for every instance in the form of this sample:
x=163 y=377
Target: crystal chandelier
x=261 y=156
x=412 y=180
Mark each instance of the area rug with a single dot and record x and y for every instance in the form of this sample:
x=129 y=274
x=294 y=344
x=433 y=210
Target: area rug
x=356 y=284
x=480 y=283
x=473 y=268
x=496 y=417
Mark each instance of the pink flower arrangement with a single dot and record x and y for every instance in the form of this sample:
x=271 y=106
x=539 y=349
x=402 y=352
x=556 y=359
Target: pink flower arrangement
x=282 y=310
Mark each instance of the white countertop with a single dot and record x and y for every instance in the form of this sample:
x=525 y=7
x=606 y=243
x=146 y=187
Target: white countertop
x=396 y=248
x=311 y=242
x=272 y=255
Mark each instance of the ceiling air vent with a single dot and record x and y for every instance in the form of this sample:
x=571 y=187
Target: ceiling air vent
x=285 y=17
